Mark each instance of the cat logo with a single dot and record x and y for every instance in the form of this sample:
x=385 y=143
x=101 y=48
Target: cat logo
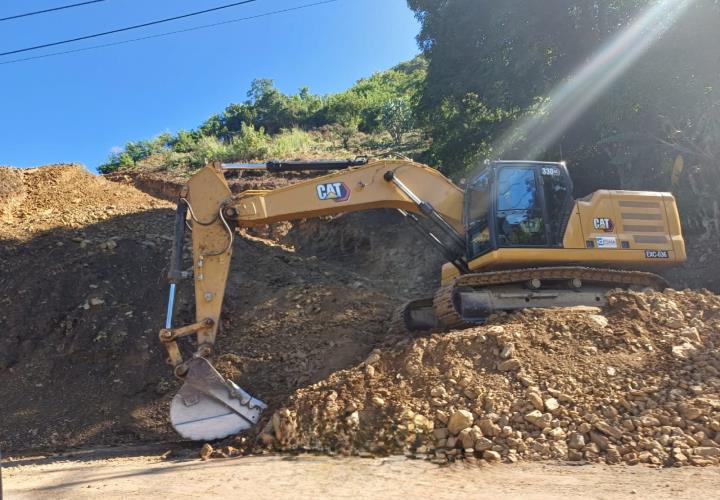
x=603 y=224
x=336 y=191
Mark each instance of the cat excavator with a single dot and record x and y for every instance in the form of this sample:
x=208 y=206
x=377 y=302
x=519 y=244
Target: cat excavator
x=513 y=238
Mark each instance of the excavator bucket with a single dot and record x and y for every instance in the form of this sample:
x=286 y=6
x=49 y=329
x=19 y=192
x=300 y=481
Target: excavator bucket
x=209 y=406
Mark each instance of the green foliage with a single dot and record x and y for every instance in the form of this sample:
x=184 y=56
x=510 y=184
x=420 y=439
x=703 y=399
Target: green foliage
x=184 y=142
x=344 y=112
x=493 y=64
x=512 y=53
x=365 y=101
x=397 y=118
x=270 y=122
x=290 y=143
x=248 y=144
x=134 y=152
x=208 y=149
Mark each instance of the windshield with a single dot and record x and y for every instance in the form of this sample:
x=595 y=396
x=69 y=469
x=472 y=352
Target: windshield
x=516 y=190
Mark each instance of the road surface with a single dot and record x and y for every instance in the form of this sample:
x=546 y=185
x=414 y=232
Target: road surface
x=142 y=473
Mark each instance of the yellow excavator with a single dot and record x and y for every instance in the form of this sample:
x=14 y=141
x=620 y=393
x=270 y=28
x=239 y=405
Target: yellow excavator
x=514 y=238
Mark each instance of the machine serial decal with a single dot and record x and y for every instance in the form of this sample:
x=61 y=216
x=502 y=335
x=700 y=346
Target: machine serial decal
x=603 y=224
x=657 y=254
x=606 y=242
x=336 y=191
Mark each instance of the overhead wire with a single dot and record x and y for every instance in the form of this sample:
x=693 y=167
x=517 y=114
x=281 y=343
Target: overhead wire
x=53 y=9
x=169 y=33
x=127 y=28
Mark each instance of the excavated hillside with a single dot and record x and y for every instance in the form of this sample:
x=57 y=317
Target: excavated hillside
x=82 y=269
x=81 y=261
x=82 y=264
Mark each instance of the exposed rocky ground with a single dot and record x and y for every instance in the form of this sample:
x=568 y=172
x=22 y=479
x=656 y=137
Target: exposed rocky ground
x=637 y=383
x=82 y=264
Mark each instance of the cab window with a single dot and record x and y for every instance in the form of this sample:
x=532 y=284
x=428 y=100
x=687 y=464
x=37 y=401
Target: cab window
x=519 y=211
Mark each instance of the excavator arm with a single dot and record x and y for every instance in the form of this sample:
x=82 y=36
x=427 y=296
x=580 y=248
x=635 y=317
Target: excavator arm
x=209 y=406
x=381 y=184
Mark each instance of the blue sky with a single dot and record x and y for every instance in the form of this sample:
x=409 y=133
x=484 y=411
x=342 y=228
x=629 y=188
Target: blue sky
x=77 y=107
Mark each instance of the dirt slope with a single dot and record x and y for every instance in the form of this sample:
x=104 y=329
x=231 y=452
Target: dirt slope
x=82 y=262
x=76 y=352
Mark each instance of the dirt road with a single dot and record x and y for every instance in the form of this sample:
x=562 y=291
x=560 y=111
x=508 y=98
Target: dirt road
x=144 y=475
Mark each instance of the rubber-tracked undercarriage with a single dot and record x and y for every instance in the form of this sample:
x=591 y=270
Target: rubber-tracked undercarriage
x=472 y=298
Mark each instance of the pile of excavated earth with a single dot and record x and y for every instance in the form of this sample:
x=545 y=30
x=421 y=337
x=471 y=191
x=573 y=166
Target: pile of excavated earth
x=82 y=266
x=636 y=383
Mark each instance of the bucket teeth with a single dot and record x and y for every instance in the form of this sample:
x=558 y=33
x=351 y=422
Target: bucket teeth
x=209 y=406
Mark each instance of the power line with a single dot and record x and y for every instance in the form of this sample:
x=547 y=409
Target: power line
x=128 y=28
x=159 y=35
x=63 y=7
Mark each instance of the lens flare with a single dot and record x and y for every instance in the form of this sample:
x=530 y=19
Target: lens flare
x=566 y=103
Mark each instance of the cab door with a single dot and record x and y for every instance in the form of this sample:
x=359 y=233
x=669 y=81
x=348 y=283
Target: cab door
x=478 y=215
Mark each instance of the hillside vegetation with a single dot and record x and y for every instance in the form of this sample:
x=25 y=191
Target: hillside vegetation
x=376 y=114
x=505 y=80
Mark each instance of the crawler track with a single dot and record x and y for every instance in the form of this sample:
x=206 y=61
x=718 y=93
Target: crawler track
x=444 y=301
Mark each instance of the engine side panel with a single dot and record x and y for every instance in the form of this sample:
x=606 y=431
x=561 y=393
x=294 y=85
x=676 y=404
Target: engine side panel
x=631 y=220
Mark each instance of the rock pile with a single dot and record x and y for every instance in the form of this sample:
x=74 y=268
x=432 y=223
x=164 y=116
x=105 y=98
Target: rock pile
x=636 y=383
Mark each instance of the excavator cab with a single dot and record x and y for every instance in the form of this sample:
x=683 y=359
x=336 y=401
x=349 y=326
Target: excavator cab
x=517 y=204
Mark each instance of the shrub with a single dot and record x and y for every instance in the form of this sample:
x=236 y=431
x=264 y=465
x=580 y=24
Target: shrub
x=248 y=144
x=208 y=149
x=290 y=143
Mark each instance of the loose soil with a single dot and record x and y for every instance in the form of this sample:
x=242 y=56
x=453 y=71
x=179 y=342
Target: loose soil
x=638 y=384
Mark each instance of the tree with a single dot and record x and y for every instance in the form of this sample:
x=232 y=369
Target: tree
x=135 y=151
x=215 y=126
x=185 y=141
x=274 y=111
x=397 y=118
x=344 y=110
x=507 y=55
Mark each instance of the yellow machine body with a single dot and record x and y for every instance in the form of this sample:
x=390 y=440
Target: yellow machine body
x=633 y=230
